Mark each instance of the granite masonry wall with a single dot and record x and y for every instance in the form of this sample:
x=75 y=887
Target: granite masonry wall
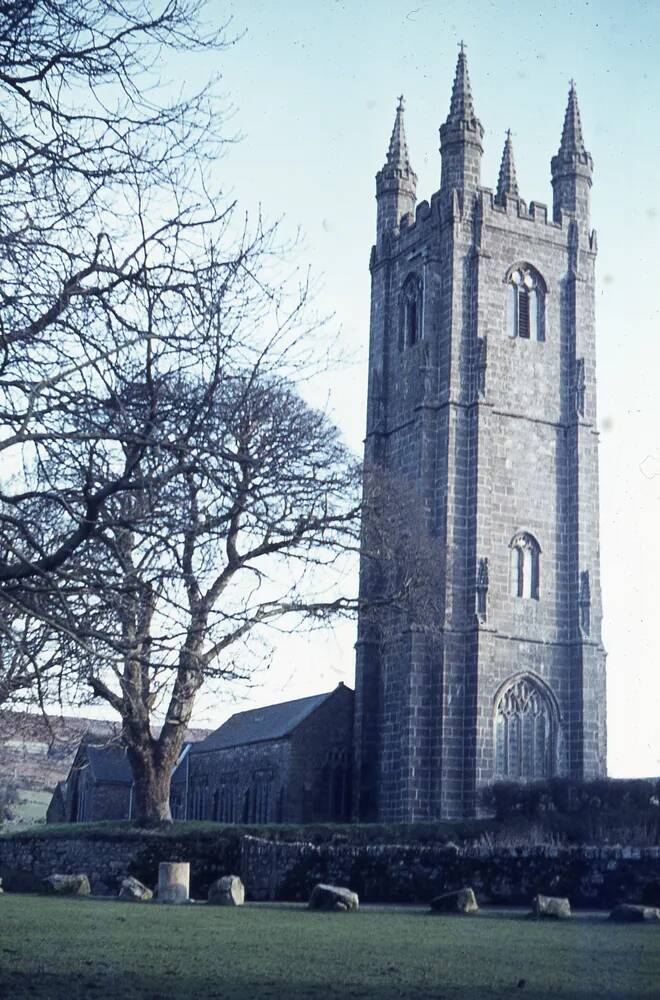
x=24 y=861
x=394 y=873
x=279 y=870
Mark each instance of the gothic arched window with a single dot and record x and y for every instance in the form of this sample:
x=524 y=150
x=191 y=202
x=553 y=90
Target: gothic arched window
x=224 y=800
x=259 y=798
x=332 y=789
x=525 y=303
x=525 y=566
x=411 y=311
x=525 y=731
x=199 y=802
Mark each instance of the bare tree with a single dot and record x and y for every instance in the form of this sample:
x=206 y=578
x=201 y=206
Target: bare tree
x=247 y=531
x=165 y=493
x=98 y=210
x=401 y=558
x=100 y=223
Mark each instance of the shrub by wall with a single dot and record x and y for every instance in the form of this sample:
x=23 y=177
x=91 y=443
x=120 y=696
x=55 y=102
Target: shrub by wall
x=603 y=811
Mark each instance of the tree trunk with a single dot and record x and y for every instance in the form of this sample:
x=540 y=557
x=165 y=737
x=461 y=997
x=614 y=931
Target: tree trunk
x=151 y=790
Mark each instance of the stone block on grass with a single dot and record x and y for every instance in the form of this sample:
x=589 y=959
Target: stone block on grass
x=461 y=901
x=133 y=891
x=66 y=885
x=227 y=891
x=631 y=913
x=551 y=907
x=333 y=898
x=651 y=893
x=173 y=882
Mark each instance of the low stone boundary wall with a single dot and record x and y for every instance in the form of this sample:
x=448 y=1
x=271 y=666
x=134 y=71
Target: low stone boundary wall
x=589 y=876
x=272 y=869
x=25 y=861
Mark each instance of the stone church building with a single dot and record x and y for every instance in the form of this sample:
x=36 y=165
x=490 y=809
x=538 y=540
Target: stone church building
x=482 y=400
x=285 y=763
x=482 y=406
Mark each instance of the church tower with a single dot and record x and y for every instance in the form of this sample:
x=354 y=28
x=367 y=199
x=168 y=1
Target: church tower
x=481 y=429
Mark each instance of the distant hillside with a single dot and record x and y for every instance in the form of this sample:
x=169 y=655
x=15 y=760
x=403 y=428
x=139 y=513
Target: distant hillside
x=37 y=752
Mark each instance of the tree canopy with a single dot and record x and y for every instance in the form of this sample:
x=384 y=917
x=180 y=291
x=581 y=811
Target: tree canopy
x=166 y=491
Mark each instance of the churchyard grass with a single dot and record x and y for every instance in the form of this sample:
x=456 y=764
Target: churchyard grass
x=92 y=949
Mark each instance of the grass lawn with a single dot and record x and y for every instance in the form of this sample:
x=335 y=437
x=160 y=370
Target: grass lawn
x=32 y=805
x=52 y=948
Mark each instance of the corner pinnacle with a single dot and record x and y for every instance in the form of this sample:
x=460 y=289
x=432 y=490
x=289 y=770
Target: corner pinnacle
x=571 y=136
x=397 y=153
x=462 y=107
x=507 y=182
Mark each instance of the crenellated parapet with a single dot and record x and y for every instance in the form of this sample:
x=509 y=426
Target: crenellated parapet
x=508 y=211
x=400 y=220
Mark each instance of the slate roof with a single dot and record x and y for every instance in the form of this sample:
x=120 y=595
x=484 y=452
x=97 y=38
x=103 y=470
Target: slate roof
x=109 y=763
x=273 y=722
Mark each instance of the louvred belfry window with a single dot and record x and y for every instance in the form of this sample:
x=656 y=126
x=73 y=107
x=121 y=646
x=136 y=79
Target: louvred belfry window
x=525 y=305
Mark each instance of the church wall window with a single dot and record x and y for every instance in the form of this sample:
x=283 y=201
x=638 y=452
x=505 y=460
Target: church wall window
x=411 y=311
x=281 y=805
x=224 y=799
x=258 y=803
x=525 y=304
x=332 y=787
x=177 y=803
x=199 y=804
x=524 y=575
x=81 y=799
x=525 y=731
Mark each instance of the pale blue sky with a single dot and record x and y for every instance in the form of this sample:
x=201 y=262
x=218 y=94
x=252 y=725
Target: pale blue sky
x=315 y=85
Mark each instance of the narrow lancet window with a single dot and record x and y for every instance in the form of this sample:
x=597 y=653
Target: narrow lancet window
x=511 y=310
x=411 y=311
x=525 y=304
x=524 y=572
x=412 y=322
x=533 y=303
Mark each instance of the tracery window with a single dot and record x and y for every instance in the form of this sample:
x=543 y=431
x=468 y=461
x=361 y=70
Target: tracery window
x=411 y=311
x=525 y=304
x=333 y=788
x=525 y=566
x=525 y=731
